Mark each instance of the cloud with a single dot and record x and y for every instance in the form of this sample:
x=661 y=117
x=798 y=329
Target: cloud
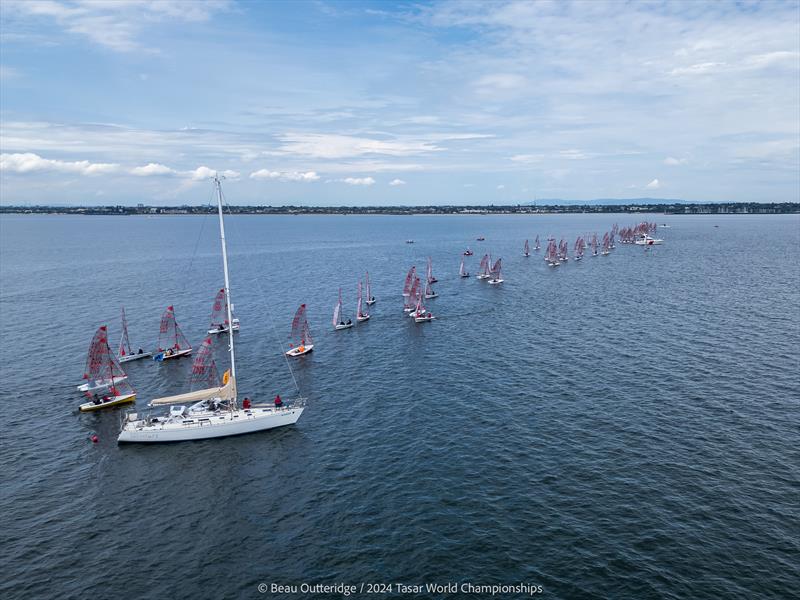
x=396 y=182
x=527 y=158
x=326 y=145
x=284 y=176
x=501 y=187
x=28 y=162
x=203 y=172
x=198 y=174
x=674 y=162
x=152 y=169
x=114 y=24
x=653 y=185
x=356 y=180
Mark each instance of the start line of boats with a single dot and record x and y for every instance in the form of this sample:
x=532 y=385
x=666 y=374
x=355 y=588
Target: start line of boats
x=211 y=407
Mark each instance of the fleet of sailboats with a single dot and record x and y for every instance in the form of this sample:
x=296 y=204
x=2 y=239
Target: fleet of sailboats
x=211 y=408
x=214 y=411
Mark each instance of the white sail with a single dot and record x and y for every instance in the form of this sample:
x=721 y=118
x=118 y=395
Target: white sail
x=226 y=392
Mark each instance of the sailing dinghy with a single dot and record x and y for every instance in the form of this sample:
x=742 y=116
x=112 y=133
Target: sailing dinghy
x=526 y=250
x=362 y=313
x=171 y=341
x=96 y=380
x=301 y=334
x=370 y=298
x=430 y=277
x=102 y=365
x=338 y=318
x=126 y=353
x=430 y=292
x=212 y=412
x=411 y=298
x=219 y=319
x=495 y=276
x=420 y=313
x=483 y=268
x=536 y=244
x=462 y=272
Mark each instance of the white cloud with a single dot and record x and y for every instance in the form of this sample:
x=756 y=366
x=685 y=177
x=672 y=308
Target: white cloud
x=653 y=185
x=356 y=180
x=396 y=182
x=501 y=187
x=152 y=169
x=284 y=176
x=325 y=145
x=572 y=154
x=204 y=172
x=527 y=158
x=674 y=162
x=114 y=24
x=28 y=162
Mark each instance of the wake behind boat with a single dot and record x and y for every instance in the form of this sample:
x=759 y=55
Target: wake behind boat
x=212 y=412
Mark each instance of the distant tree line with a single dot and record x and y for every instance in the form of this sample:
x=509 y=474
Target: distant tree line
x=671 y=208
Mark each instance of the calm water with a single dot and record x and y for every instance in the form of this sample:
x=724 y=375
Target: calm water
x=626 y=427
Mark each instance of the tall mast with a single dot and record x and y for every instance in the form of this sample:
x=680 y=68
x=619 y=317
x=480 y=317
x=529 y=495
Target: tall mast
x=225 y=269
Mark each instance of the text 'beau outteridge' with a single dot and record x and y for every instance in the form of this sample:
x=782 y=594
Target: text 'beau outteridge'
x=403 y=588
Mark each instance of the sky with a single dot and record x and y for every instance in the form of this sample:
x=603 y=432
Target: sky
x=393 y=103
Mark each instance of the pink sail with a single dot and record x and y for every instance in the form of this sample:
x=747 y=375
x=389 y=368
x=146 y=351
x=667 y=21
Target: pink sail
x=409 y=281
x=483 y=269
x=102 y=365
x=170 y=335
x=495 y=272
x=124 y=342
x=219 y=312
x=360 y=309
x=301 y=333
x=413 y=293
x=204 y=370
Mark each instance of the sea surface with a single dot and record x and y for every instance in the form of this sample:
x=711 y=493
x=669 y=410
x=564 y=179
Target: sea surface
x=625 y=427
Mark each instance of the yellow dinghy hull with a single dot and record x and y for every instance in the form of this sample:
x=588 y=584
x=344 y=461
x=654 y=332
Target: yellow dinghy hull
x=117 y=401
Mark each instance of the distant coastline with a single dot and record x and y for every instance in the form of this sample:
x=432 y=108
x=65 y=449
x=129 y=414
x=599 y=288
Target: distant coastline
x=525 y=209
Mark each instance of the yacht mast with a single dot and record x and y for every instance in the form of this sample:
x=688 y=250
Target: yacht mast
x=218 y=185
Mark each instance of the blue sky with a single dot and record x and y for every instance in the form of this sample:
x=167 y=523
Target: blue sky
x=126 y=101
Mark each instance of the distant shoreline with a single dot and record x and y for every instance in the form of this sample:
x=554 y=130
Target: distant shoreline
x=665 y=209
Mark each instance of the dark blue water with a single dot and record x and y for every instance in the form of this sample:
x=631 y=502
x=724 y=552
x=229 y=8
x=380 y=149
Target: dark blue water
x=626 y=427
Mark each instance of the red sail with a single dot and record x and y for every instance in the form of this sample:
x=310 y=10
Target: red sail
x=219 y=312
x=300 y=331
x=170 y=334
x=204 y=369
x=101 y=364
x=409 y=280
